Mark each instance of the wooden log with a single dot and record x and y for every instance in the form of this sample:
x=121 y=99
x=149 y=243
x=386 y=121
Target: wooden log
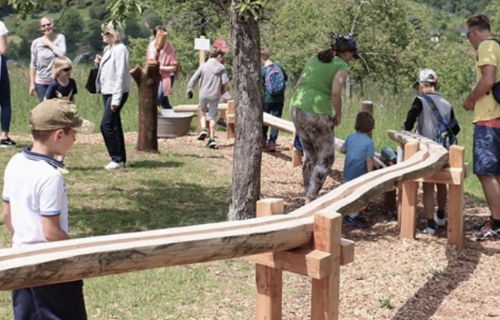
x=269 y=280
x=98 y=256
x=194 y=107
x=456 y=200
x=326 y=291
x=410 y=200
x=147 y=80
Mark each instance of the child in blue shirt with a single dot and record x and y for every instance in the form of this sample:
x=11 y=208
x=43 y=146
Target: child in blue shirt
x=359 y=150
x=63 y=86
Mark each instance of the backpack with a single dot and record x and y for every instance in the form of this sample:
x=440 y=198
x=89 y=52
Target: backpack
x=274 y=80
x=445 y=137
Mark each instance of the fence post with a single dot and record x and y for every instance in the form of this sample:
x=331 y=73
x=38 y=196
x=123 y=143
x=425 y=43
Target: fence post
x=269 y=281
x=409 y=199
x=230 y=120
x=326 y=291
x=456 y=199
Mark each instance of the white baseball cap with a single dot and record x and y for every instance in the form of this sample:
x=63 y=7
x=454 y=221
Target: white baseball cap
x=427 y=75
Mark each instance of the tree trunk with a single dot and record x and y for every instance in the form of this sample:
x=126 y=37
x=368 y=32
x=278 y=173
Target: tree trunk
x=245 y=188
x=147 y=80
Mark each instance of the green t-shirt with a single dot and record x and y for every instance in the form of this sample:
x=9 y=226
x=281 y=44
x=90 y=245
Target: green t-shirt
x=314 y=93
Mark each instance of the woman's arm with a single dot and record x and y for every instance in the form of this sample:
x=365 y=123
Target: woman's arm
x=337 y=84
x=120 y=61
x=60 y=48
x=4 y=45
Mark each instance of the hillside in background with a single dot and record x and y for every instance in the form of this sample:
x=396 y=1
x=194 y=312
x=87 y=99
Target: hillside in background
x=395 y=37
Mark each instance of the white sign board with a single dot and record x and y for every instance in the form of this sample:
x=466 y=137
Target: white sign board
x=202 y=44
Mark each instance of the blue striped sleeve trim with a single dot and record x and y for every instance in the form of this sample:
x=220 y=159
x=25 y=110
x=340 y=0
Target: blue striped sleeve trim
x=50 y=213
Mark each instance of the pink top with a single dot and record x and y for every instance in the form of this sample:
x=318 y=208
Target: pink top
x=167 y=58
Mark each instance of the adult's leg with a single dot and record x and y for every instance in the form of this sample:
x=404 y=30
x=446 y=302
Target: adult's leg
x=111 y=128
x=325 y=144
x=40 y=91
x=160 y=94
x=5 y=99
x=277 y=111
x=491 y=189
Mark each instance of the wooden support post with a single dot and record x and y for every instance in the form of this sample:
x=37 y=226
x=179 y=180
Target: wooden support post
x=296 y=156
x=367 y=106
x=409 y=198
x=269 y=280
x=231 y=113
x=456 y=199
x=325 y=292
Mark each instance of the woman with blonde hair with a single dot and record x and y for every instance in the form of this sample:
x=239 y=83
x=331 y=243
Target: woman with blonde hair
x=43 y=51
x=62 y=87
x=113 y=82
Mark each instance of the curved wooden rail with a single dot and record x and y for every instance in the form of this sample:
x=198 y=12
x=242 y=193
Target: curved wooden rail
x=98 y=256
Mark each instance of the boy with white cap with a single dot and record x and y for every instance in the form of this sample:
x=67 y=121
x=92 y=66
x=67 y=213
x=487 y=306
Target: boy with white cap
x=435 y=120
x=35 y=206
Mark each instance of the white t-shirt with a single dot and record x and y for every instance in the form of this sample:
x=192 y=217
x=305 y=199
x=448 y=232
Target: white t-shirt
x=35 y=188
x=3 y=32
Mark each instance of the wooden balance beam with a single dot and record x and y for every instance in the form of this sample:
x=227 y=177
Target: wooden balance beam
x=74 y=259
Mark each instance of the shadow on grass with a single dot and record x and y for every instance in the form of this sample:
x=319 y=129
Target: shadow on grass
x=154 y=204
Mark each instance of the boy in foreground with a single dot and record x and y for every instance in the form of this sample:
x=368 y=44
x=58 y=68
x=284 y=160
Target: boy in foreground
x=35 y=206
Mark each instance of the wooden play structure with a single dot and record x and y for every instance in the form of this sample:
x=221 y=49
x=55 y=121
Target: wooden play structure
x=306 y=241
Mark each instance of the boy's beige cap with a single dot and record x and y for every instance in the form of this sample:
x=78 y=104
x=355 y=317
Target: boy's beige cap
x=56 y=114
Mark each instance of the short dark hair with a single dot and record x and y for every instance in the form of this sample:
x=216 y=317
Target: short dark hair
x=264 y=53
x=215 y=51
x=364 y=122
x=479 y=21
x=44 y=135
x=158 y=28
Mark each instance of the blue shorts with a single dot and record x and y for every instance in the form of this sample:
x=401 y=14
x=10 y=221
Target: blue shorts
x=486 y=151
x=50 y=302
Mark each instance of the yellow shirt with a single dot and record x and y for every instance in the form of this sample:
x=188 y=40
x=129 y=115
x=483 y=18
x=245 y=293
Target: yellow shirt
x=486 y=108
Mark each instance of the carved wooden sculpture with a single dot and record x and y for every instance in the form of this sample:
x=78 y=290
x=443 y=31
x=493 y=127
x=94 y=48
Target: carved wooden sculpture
x=147 y=81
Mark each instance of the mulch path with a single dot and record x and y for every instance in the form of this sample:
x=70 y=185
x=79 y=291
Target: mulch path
x=390 y=278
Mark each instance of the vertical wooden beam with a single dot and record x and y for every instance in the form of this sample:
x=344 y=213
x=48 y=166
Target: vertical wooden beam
x=456 y=200
x=269 y=281
x=325 y=292
x=367 y=106
x=198 y=125
x=231 y=114
x=409 y=198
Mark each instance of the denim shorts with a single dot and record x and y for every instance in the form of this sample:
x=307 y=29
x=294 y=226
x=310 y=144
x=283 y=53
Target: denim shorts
x=486 y=150
x=209 y=106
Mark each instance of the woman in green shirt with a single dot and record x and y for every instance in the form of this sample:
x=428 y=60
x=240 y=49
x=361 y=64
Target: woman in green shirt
x=316 y=108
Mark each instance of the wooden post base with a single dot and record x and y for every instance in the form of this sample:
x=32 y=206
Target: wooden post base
x=321 y=264
x=454 y=176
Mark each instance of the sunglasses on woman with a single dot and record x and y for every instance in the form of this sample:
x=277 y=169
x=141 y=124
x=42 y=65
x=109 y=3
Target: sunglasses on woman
x=67 y=69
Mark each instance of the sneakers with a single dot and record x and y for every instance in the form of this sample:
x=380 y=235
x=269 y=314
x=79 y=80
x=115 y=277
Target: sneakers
x=357 y=222
x=271 y=147
x=211 y=144
x=431 y=226
x=114 y=165
x=202 y=135
x=222 y=123
x=439 y=222
x=7 y=143
x=486 y=231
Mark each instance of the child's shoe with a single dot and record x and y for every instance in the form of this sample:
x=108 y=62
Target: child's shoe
x=211 y=144
x=202 y=135
x=356 y=222
x=439 y=221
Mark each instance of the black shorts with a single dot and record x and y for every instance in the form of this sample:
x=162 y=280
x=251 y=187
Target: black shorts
x=61 y=301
